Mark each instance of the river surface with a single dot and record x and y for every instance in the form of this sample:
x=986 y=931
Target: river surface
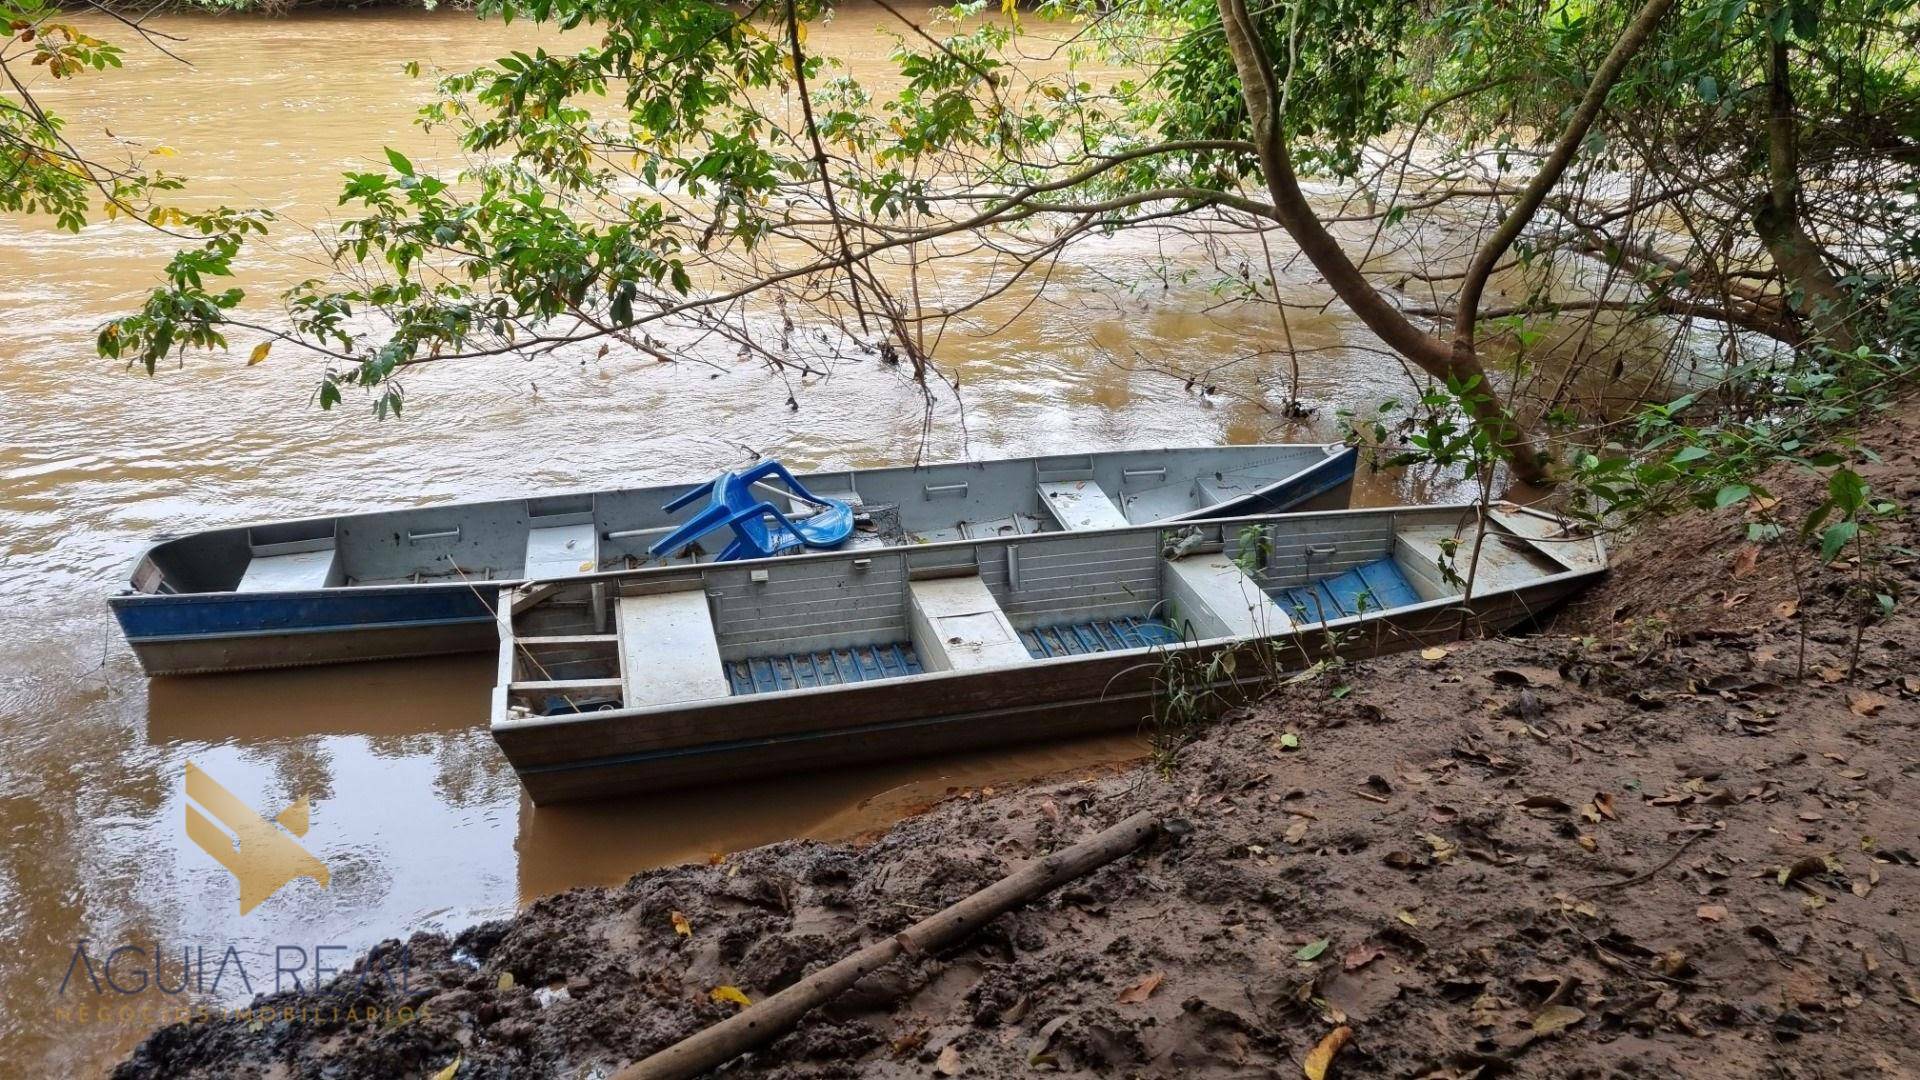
x=413 y=809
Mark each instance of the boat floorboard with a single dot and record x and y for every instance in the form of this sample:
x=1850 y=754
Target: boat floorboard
x=836 y=667
x=1097 y=636
x=1371 y=588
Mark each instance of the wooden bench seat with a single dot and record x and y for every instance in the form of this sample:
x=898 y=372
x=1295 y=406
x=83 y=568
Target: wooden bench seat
x=668 y=651
x=1212 y=593
x=562 y=551
x=1081 y=504
x=958 y=626
x=290 y=572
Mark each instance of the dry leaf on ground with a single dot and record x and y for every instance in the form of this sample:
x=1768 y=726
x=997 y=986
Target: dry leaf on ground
x=1320 y=1058
x=1142 y=990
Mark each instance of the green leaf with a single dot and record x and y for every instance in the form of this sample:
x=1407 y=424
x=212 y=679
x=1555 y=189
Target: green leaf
x=1847 y=490
x=1689 y=453
x=399 y=162
x=1836 y=537
x=1730 y=494
x=1312 y=949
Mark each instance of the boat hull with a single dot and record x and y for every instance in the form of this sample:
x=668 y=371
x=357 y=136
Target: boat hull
x=214 y=632
x=623 y=754
x=189 y=633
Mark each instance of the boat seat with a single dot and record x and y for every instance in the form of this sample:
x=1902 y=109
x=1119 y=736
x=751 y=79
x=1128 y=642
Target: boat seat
x=1081 y=504
x=562 y=551
x=290 y=572
x=1218 y=599
x=668 y=650
x=958 y=626
x=1219 y=488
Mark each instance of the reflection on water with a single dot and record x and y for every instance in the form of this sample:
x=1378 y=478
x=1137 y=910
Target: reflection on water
x=413 y=810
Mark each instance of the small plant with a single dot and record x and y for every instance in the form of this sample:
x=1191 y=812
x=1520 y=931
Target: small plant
x=1847 y=524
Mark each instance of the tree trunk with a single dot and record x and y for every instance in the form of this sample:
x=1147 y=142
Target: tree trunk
x=1436 y=357
x=1812 y=290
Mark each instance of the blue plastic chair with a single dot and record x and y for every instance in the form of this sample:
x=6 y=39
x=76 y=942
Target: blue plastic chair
x=759 y=528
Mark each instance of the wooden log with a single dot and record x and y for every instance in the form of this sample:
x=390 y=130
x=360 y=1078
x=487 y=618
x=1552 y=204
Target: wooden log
x=767 y=1020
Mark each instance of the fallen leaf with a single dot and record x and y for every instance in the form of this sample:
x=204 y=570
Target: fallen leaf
x=1589 y=843
x=1297 y=832
x=1435 y=653
x=730 y=993
x=1907 y=992
x=1406 y=917
x=1745 y=560
x=1142 y=990
x=1787 y=609
x=680 y=925
x=949 y=1062
x=1044 y=1038
x=448 y=1072
x=1555 y=1018
x=1672 y=963
x=504 y=982
x=911 y=1042
x=260 y=353
x=1866 y=702
x=1289 y=741
x=1312 y=949
x=1544 y=802
x=1361 y=956
x=1712 y=912
x=1603 y=802
x=1812 y=864
x=1320 y=1058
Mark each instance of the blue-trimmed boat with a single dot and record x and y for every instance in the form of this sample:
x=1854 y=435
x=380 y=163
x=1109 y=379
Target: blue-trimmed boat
x=426 y=580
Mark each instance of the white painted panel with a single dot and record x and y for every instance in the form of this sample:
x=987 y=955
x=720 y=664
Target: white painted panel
x=1081 y=504
x=290 y=573
x=957 y=626
x=1220 y=600
x=562 y=551
x=668 y=653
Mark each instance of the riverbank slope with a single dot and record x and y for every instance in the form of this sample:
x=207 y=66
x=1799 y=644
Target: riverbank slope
x=1644 y=843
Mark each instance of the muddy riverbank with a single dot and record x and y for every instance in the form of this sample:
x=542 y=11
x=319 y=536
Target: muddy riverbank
x=1641 y=843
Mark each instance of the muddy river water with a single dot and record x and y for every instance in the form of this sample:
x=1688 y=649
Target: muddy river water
x=414 y=811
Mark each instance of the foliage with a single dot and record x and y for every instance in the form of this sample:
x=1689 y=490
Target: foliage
x=696 y=163
x=40 y=170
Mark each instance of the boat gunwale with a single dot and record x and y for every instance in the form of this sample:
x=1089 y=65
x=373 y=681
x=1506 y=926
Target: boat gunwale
x=499 y=721
x=129 y=593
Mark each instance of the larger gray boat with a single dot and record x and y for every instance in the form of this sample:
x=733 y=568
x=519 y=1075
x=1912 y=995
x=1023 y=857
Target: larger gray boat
x=632 y=682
